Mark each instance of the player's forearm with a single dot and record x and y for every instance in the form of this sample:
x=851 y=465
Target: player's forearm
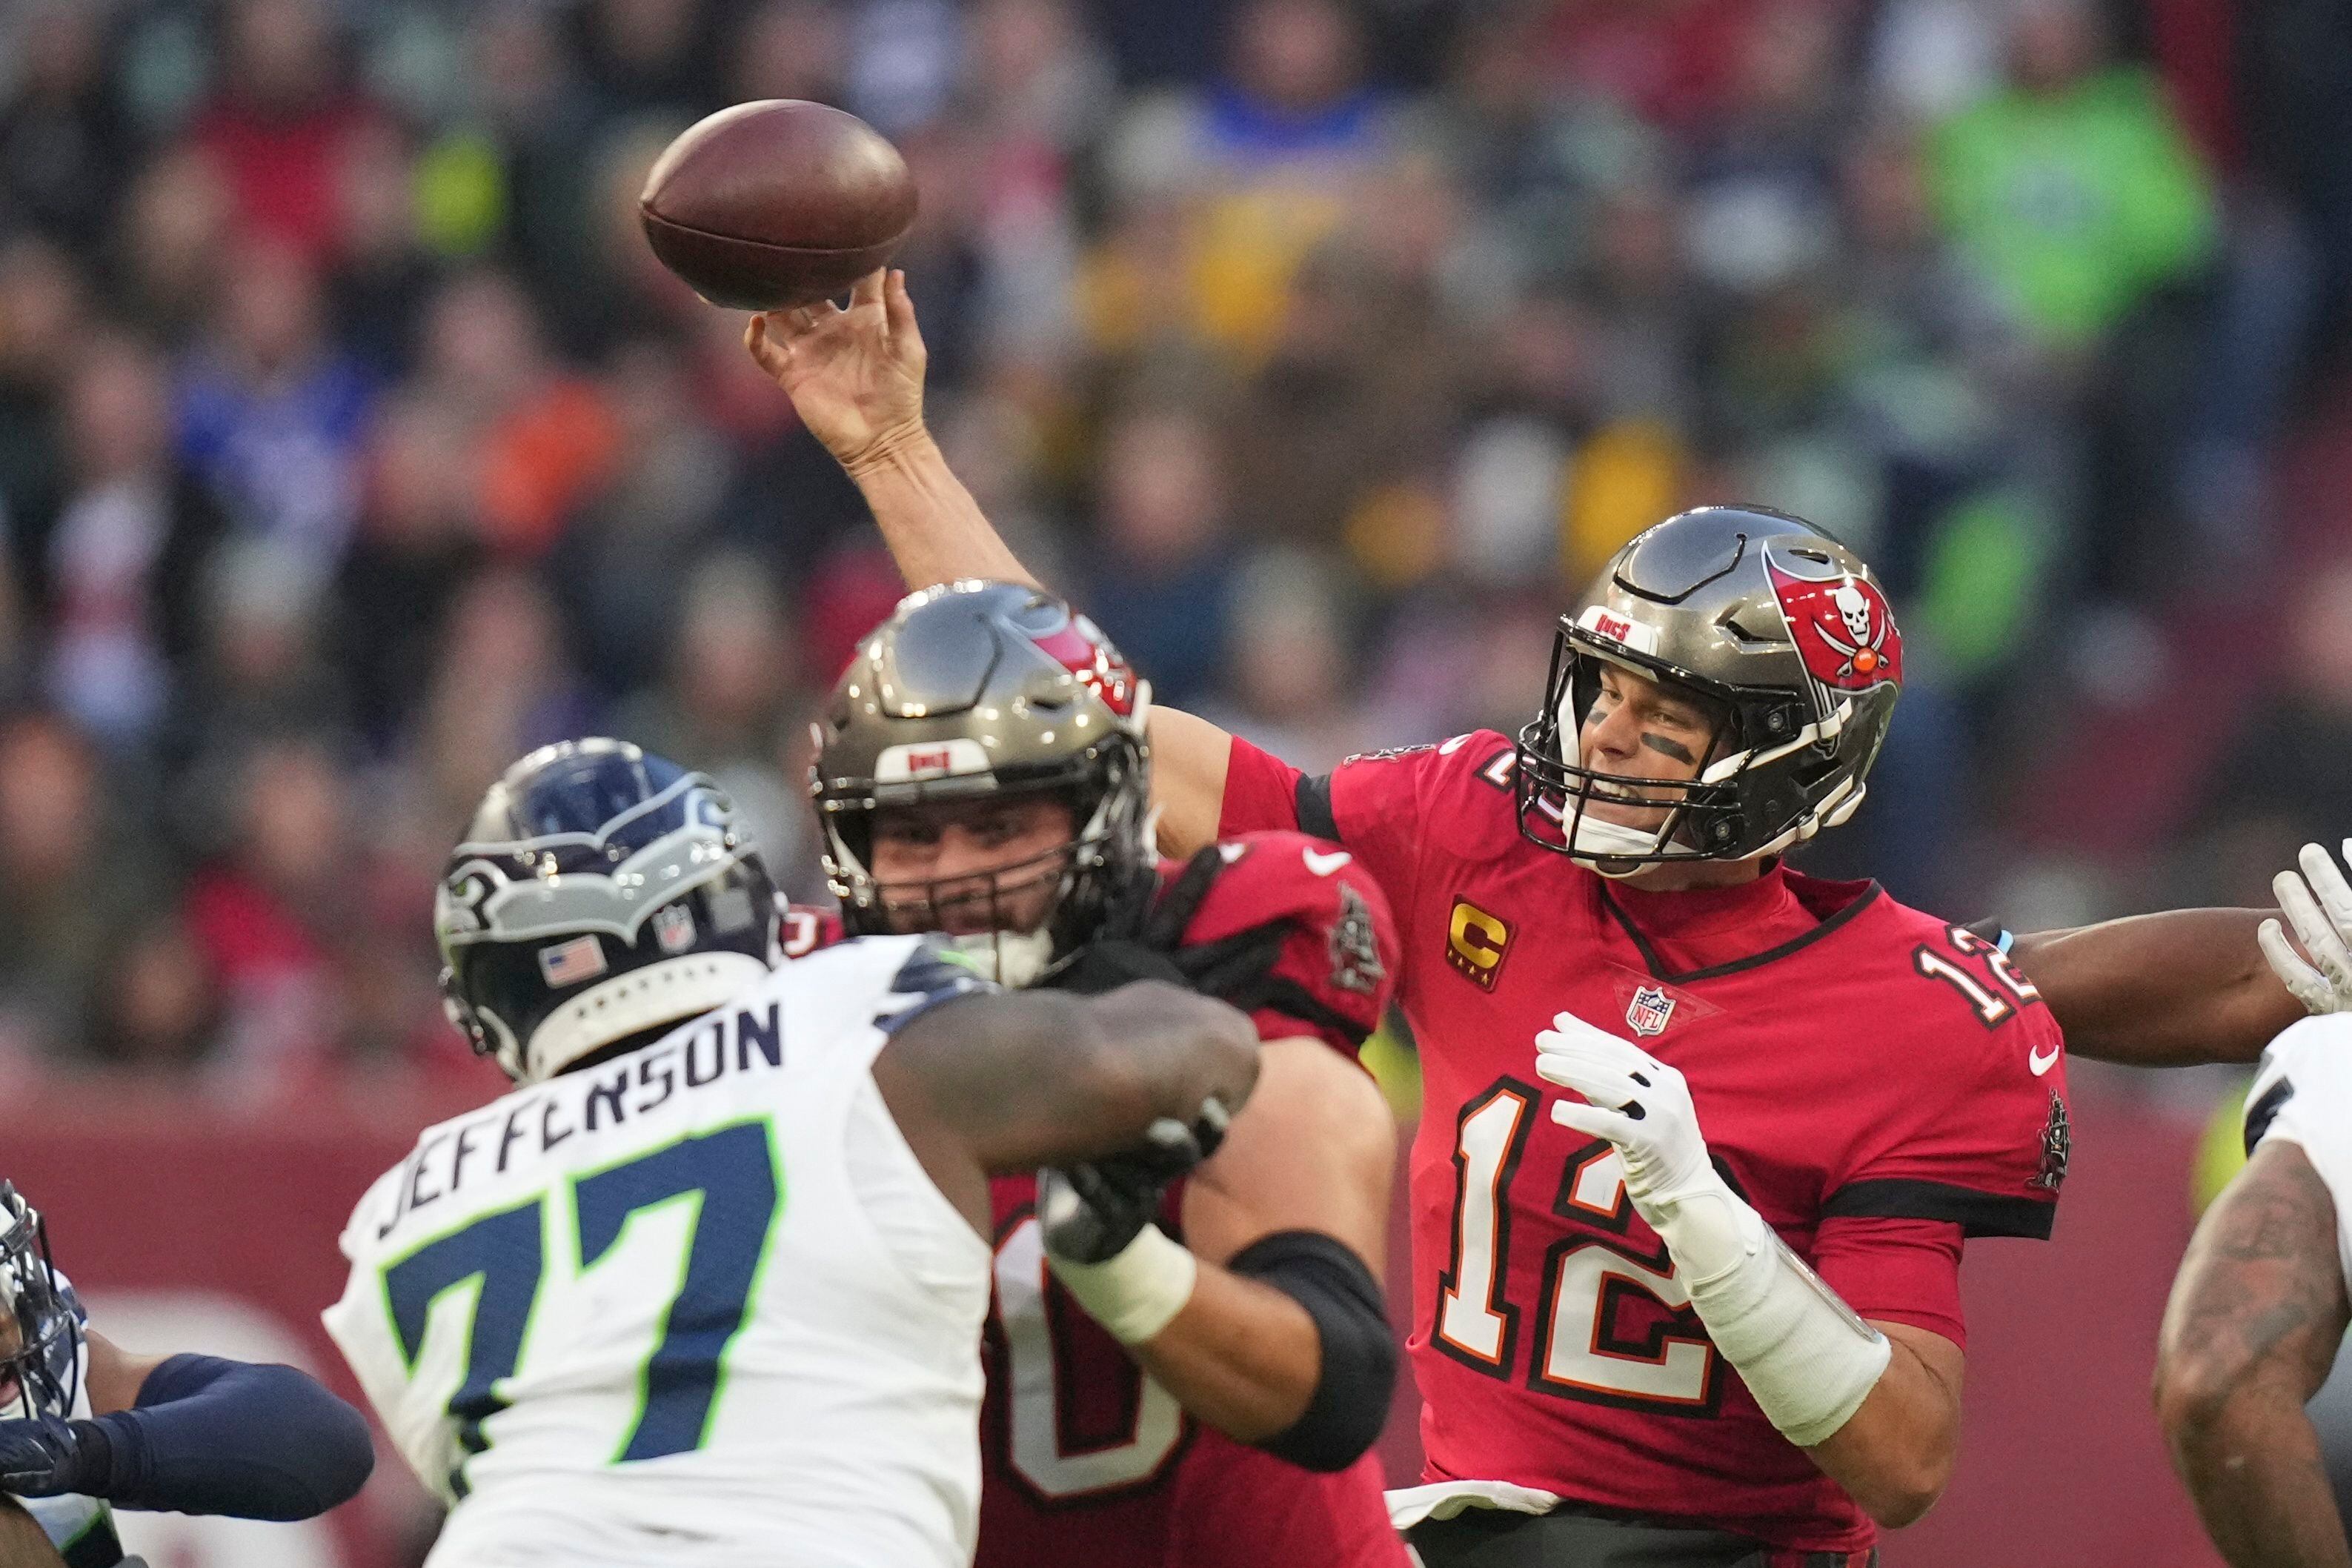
x=2254 y=1467
x=2161 y=990
x=1895 y=1452
x=934 y=529
x=1164 y=1053
x=1242 y=1357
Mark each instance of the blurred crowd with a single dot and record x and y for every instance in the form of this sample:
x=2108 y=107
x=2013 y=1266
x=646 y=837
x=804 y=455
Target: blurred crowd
x=352 y=442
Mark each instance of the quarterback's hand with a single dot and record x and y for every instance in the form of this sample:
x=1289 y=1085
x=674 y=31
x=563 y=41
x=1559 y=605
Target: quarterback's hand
x=48 y=1456
x=855 y=375
x=1636 y=1103
x=2318 y=904
x=1089 y=1212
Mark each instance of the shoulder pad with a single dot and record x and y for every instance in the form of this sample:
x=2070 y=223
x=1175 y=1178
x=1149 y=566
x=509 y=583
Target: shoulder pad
x=802 y=929
x=1339 y=950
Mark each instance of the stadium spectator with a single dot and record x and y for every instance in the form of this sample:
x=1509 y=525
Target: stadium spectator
x=1445 y=304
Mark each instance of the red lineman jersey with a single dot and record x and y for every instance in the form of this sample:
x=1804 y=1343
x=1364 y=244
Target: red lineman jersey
x=1085 y=1461
x=1877 y=1083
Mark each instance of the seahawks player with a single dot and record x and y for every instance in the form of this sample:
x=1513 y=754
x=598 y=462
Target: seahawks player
x=2258 y=1314
x=707 y=1288
x=85 y=1425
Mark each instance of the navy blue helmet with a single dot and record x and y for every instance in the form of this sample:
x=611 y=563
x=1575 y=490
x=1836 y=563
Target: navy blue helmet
x=40 y=1325
x=601 y=893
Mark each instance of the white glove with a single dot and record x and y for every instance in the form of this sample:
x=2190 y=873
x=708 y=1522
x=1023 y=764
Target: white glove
x=2321 y=914
x=1638 y=1103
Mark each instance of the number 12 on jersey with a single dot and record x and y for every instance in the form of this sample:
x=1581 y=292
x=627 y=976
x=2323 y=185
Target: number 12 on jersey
x=1615 y=1324
x=729 y=1183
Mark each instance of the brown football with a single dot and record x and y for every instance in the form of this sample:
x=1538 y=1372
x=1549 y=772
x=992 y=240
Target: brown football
x=775 y=204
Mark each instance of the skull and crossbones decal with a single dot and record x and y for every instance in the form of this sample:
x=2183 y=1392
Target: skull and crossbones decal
x=1865 y=633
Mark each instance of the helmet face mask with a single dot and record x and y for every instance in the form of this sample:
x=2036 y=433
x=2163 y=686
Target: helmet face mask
x=976 y=692
x=40 y=1331
x=1778 y=633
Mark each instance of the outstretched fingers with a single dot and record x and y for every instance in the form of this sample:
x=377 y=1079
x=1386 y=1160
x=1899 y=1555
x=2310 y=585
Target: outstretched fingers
x=901 y=308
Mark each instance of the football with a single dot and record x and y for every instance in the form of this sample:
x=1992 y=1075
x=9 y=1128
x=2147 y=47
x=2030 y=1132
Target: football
x=775 y=204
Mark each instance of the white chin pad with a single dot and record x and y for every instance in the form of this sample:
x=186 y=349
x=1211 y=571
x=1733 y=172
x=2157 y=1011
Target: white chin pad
x=1604 y=841
x=667 y=991
x=1014 y=959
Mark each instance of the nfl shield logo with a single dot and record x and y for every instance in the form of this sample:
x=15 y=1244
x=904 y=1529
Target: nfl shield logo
x=1652 y=1007
x=674 y=927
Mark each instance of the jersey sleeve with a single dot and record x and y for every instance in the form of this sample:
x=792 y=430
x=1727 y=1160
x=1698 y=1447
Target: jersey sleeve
x=1381 y=806
x=2303 y=1095
x=1334 y=970
x=1964 y=1116
x=1896 y=1271
x=803 y=929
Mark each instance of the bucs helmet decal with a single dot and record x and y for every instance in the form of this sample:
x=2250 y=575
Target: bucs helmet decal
x=1841 y=626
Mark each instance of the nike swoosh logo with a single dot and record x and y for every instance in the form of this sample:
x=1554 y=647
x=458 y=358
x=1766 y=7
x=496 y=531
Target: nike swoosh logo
x=1323 y=864
x=2041 y=1064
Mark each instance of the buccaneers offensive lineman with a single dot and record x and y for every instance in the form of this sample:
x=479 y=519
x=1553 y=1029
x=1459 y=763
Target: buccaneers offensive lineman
x=980 y=771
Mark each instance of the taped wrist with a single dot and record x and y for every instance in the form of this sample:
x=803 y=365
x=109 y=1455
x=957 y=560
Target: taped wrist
x=1358 y=1374
x=220 y=1436
x=1804 y=1354
x=1138 y=1290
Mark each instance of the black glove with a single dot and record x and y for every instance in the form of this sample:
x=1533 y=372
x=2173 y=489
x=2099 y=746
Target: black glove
x=1107 y=965
x=48 y=1456
x=1089 y=1212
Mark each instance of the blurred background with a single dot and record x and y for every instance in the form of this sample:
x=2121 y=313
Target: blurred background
x=352 y=443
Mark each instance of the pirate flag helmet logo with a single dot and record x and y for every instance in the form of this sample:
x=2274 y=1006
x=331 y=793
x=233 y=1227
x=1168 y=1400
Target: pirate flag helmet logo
x=1843 y=630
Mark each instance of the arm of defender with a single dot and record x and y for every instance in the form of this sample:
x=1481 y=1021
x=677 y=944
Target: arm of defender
x=2254 y=1322
x=1008 y=1081
x=193 y=1434
x=2170 y=989
x=855 y=378
x=1314 y=1155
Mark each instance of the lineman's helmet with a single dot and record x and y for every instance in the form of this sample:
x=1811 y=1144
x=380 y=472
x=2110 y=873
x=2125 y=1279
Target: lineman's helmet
x=974 y=689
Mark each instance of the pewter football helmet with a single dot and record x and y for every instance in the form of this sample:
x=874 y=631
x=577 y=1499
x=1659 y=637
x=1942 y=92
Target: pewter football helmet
x=977 y=689
x=601 y=893
x=1784 y=636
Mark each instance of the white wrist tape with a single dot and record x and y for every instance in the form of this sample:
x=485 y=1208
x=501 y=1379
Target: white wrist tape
x=1136 y=1293
x=1803 y=1353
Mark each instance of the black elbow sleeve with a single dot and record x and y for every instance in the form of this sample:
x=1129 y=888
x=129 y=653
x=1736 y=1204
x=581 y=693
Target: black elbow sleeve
x=1358 y=1377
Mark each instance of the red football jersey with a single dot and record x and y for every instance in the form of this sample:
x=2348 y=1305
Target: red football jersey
x=1876 y=1082
x=1085 y=1461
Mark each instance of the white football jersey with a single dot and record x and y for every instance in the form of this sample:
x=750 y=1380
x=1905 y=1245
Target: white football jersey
x=2302 y=1094
x=697 y=1305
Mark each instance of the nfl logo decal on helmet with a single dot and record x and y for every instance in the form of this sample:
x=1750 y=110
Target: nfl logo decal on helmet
x=1650 y=1011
